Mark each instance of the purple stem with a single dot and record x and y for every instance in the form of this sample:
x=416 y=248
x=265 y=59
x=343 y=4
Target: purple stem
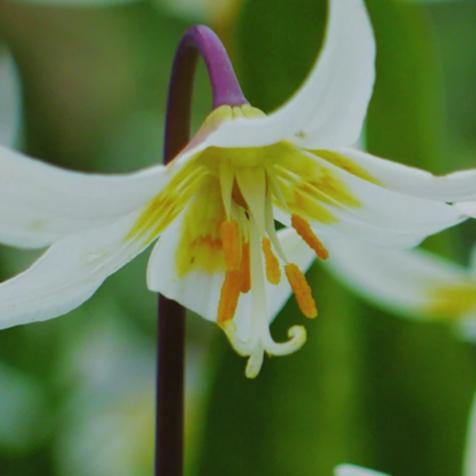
x=171 y=316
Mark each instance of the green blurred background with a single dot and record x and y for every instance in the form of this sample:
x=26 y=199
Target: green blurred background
x=83 y=85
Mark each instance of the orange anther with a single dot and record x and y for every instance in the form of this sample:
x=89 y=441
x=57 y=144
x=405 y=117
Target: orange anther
x=301 y=290
x=273 y=273
x=305 y=232
x=231 y=241
x=245 y=268
x=230 y=293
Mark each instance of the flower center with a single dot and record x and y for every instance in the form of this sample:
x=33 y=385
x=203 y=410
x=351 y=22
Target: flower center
x=253 y=256
x=227 y=196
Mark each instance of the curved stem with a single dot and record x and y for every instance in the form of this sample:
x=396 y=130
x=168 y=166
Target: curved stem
x=171 y=316
x=226 y=89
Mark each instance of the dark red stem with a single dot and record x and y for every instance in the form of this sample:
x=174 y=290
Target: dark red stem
x=171 y=316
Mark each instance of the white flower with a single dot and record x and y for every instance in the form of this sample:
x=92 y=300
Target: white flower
x=216 y=203
x=351 y=470
x=414 y=283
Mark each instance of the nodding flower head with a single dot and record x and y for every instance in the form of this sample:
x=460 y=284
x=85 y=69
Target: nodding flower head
x=240 y=211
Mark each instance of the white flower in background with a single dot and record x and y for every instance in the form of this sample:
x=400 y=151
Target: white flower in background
x=413 y=283
x=107 y=424
x=215 y=206
x=351 y=470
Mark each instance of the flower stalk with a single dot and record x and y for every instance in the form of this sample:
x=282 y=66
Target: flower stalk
x=198 y=40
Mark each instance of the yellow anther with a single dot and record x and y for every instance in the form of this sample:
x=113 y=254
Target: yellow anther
x=301 y=290
x=230 y=293
x=231 y=240
x=273 y=273
x=305 y=232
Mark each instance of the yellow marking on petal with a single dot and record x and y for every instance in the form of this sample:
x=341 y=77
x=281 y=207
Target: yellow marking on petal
x=301 y=290
x=452 y=300
x=273 y=272
x=305 y=232
x=200 y=246
x=245 y=269
x=230 y=293
x=347 y=164
x=166 y=205
x=303 y=172
x=299 y=202
x=231 y=240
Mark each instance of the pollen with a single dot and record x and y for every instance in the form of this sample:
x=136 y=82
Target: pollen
x=301 y=290
x=305 y=232
x=245 y=269
x=273 y=273
x=230 y=293
x=231 y=242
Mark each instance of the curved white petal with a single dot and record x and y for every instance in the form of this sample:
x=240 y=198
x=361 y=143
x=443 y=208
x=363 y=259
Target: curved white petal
x=470 y=451
x=10 y=109
x=67 y=274
x=200 y=291
x=351 y=470
x=381 y=215
x=455 y=187
x=398 y=280
x=40 y=203
x=330 y=107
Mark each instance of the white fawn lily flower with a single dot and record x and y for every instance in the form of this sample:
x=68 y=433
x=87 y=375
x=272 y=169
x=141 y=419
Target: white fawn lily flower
x=215 y=205
x=414 y=283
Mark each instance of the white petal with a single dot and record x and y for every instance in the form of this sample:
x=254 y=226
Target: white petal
x=470 y=451
x=200 y=291
x=385 y=217
x=330 y=107
x=398 y=280
x=455 y=187
x=351 y=470
x=67 y=274
x=468 y=208
x=40 y=203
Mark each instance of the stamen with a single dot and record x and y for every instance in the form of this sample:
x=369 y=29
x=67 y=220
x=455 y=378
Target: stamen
x=273 y=273
x=301 y=290
x=230 y=293
x=305 y=232
x=245 y=268
x=231 y=242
